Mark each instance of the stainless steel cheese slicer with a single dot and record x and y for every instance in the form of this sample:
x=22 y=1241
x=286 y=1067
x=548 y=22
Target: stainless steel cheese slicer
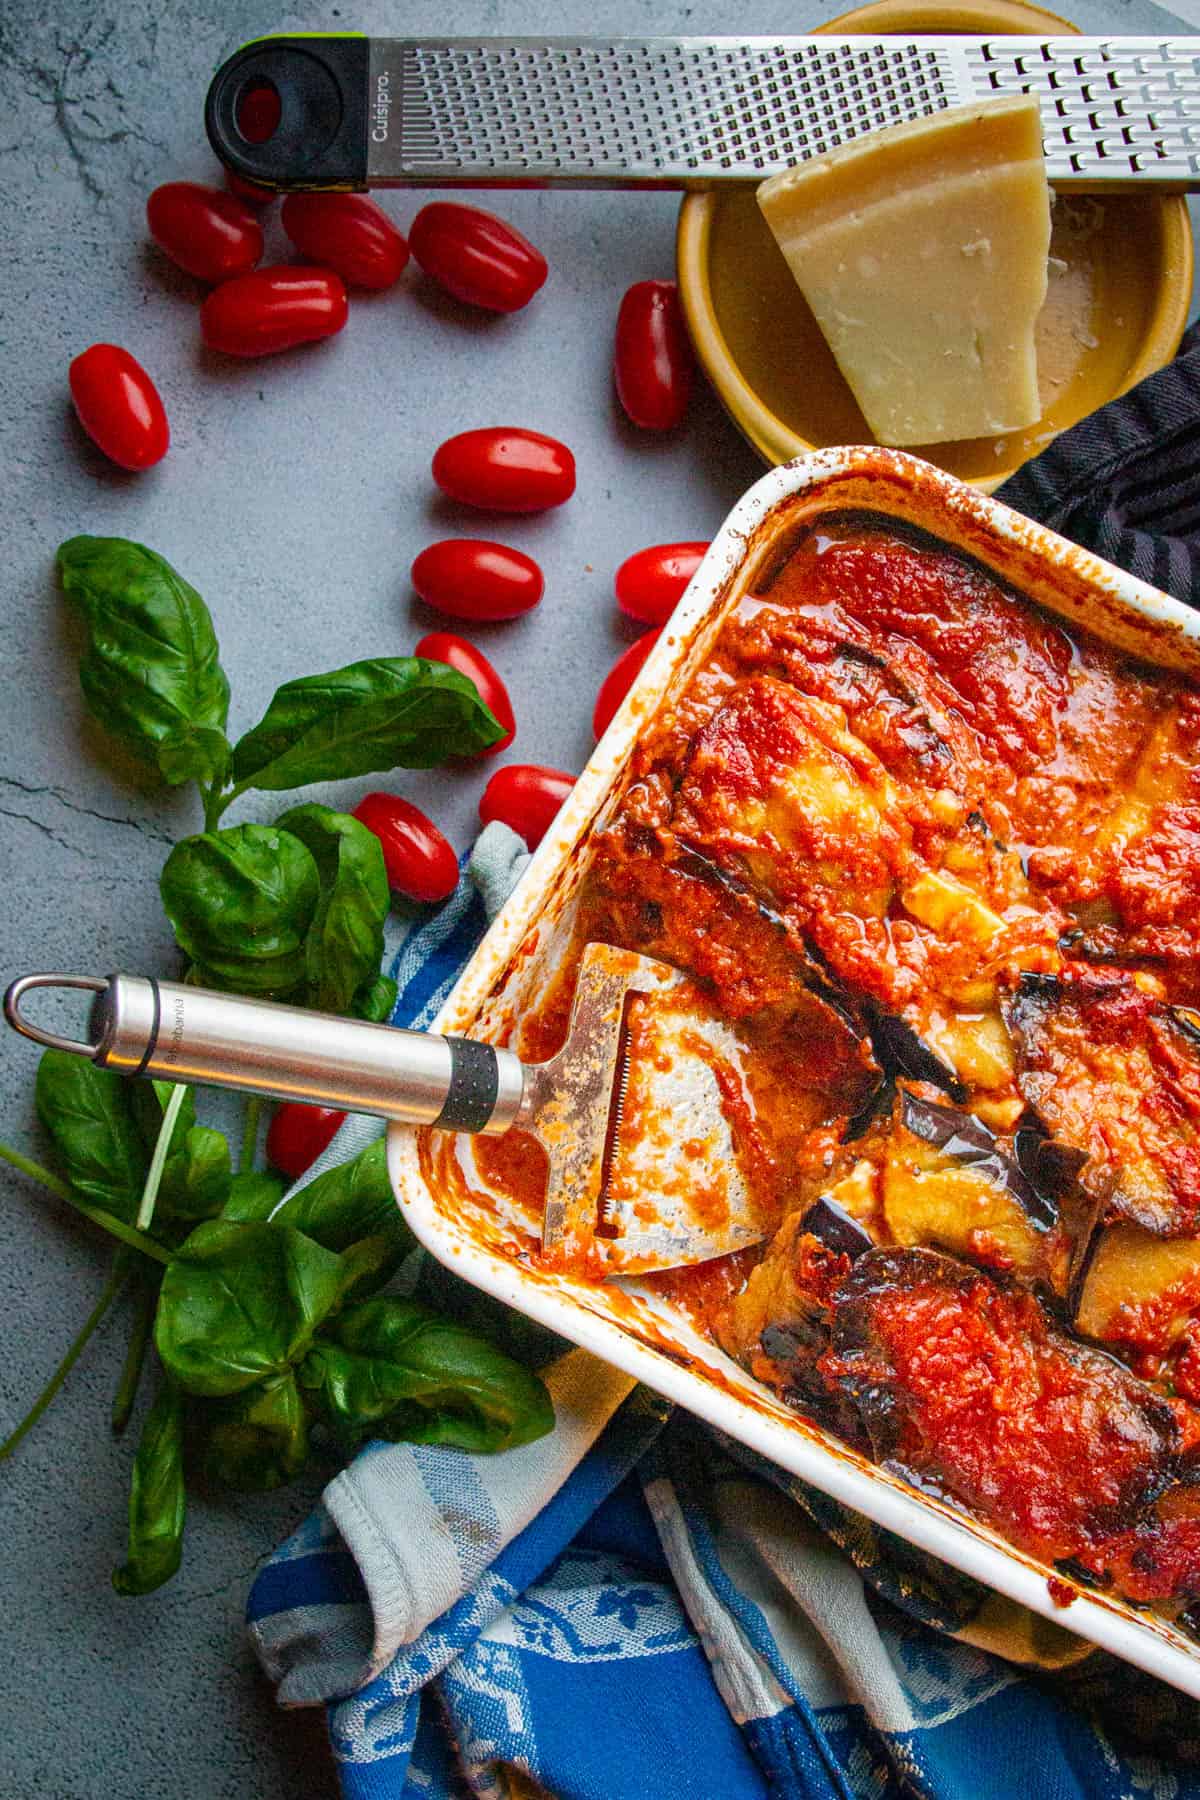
x=572 y=1104
x=686 y=112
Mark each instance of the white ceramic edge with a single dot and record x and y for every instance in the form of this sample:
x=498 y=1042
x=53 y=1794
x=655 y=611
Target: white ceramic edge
x=896 y=1507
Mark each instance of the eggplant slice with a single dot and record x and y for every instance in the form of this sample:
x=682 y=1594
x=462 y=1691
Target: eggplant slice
x=963 y=1386
x=967 y=1141
x=779 y=1325
x=654 y=895
x=1113 y=1074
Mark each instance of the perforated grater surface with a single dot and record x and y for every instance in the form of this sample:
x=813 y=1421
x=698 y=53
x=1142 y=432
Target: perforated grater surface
x=689 y=112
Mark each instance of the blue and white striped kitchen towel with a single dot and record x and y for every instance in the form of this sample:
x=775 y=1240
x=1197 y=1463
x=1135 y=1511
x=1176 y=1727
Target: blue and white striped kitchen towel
x=633 y=1607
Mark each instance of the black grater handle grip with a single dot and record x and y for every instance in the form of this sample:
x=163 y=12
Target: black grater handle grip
x=321 y=138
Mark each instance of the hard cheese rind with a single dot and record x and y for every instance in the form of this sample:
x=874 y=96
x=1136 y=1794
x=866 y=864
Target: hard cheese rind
x=922 y=250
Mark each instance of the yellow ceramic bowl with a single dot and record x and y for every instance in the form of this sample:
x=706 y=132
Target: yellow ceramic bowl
x=1120 y=284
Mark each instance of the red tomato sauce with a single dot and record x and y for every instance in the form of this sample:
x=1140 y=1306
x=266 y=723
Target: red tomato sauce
x=904 y=831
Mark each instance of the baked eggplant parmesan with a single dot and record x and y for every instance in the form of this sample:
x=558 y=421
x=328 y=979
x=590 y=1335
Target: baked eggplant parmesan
x=938 y=857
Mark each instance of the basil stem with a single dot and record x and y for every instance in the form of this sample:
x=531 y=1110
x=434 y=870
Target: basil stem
x=135 y=1356
x=254 y=1108
x=36 y=1171
x=159 y=1159
x=217 y=802
x=214 y=799
x=108 y=1294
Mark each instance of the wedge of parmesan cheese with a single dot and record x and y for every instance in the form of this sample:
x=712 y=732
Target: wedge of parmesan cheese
x=922 y=251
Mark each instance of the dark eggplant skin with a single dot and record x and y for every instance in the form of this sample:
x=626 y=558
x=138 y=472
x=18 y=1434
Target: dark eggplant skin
x=878 y=1272
x=968 y=1141
x=1040 y=986
x=902 y=1053
x=796 y=1348
x=888 y=1267
x=826 y=1220
x=1107 y=947
x=800 y=1339
x=877 y=1105
x=1053 y=1169
x=1074 y=1570
x=652 y=893
x=1187 y=1022
x=811 y=969
x=1083 y=1255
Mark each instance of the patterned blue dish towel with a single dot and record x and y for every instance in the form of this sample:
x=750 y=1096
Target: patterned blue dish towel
x=636 y=1609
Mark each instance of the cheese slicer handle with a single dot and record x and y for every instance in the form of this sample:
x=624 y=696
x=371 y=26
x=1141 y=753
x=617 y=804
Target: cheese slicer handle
x=173 y=1032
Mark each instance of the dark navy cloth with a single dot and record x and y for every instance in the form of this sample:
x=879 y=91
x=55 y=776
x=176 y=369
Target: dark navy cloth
x=1125 y=481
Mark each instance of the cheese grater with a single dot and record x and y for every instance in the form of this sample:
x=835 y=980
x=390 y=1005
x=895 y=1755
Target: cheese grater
x=359 y=112
x=612 y=1205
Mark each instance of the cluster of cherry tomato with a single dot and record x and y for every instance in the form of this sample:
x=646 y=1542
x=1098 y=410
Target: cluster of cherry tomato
x=349 y=242
x=346 y=241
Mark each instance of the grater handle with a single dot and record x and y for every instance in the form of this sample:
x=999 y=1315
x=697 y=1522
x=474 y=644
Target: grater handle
x=688 y=112
x=172 y=1032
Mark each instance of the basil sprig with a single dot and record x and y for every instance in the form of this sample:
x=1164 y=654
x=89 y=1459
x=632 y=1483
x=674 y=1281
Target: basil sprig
x=240 y=904
x=294 y=911
x=151 y=675
x=391 y=1368
x=275 y=1340
x=344 y=945
x=85 y=1111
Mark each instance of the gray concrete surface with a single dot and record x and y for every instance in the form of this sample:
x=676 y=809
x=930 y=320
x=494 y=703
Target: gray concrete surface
x=295 y=496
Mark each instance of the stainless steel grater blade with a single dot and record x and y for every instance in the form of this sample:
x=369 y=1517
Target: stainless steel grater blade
x=689 y=112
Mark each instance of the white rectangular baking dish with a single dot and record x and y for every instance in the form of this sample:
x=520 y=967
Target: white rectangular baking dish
x=626 y=1323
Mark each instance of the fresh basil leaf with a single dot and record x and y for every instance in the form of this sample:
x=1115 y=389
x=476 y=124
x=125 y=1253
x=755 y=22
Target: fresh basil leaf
x=156 y=1500
x=257 y=1440
x=369 y=1264
x=197 y=1186
x=345 y=940
x=355 y=1200
x=254 y=1195
x=240 y=1302
x=453 y=1298
x=376 y=1001
x=391 y=712
x=230 y=976
x=86 y=1111
x=150 y=668
x=390 y=1368
x=203 y=755
x=241 y=903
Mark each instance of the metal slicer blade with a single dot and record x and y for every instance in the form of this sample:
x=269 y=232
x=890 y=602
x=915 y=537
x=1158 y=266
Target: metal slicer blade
x=674 y=1192
x=642 y=1171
